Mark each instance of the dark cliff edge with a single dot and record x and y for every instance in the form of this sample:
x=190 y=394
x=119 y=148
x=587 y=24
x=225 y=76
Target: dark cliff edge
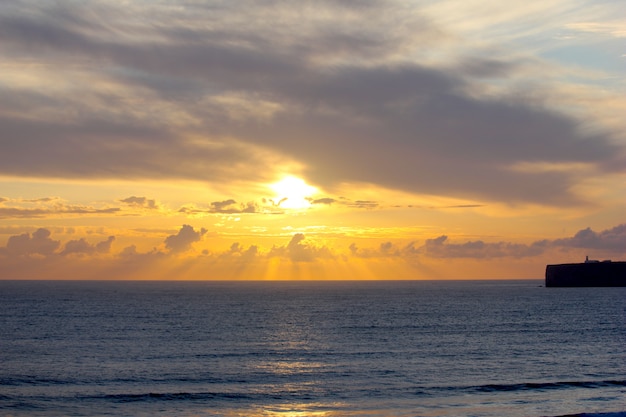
x=588 y=274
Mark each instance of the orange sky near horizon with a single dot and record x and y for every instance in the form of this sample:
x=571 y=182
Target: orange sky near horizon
x=310 y=140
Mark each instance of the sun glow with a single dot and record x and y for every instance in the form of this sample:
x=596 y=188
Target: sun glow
x=292 y=193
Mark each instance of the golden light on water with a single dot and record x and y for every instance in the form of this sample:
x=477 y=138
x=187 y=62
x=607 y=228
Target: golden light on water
x=306 y=413
x=294 y=410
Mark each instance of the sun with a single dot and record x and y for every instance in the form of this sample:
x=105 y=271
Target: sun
x=292 y=192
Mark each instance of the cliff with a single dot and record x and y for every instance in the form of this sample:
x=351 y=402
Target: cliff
x=588 y=274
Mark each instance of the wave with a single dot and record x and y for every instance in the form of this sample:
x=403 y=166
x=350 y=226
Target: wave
x=246 y=396
x=547 y=385
x=169 y=396
x=613 y=414
x=31 y=381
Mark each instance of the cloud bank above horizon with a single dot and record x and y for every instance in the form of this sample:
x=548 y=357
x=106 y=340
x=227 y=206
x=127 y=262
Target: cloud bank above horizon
x=27 y=255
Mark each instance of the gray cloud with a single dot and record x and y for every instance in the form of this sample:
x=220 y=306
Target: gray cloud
x=326 y=200
x=38 y=243
x=388 y=250
x=81 y=246
x=299 y=251
x=367 y=204
x=222 y=205
x=613 y=239
x=439 y=248
x=344 y=201
x=240 y=253
x=182 y=241
x=229 y=206
x=18 y=212
x=31 y=254
x=141 y=202
x=352 y=109
x=97 y=149
x=409 y=128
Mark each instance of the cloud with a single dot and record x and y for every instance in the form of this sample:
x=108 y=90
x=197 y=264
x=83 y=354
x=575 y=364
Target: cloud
x=230 y=206
x=387 y=250
x=440 y=248
x=410 y=128
x=12 y=213
x=182 y=241
x=82 y=247
x=47 y=207
x=142 y=202
x=38 y=255
x=326 y=200
x=223 y=207
x=299 y=251
x=236 y=251
x=614 y=29
x=219 y=206
x=346 y=81
x=613 y=239
x=358 y=204
x=363 y=204
x=39 y=243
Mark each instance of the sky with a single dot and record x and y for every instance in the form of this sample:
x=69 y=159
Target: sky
x=374 y=139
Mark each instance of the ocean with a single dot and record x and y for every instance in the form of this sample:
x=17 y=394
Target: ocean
x=321 y=349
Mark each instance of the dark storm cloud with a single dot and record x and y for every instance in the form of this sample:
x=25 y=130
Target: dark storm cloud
x=350 y=109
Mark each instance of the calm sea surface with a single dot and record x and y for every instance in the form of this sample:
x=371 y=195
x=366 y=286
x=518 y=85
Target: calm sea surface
x=292 y=349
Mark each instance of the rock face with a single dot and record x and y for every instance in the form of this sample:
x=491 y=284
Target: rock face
x=588 y=274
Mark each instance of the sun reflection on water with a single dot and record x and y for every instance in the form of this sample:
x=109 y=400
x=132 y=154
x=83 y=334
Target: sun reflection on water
x=293 y=410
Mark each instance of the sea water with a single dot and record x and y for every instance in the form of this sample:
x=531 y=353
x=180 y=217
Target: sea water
x=398 y=349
